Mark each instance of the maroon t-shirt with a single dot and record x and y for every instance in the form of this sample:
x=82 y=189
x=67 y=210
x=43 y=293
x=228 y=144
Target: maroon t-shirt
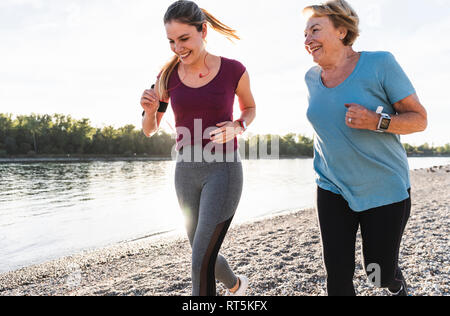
x=212 y=104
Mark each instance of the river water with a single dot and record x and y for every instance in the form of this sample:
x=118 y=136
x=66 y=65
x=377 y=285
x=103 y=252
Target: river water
x=50 y=210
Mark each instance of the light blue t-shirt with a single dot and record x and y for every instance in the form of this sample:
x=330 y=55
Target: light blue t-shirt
x=367 y=168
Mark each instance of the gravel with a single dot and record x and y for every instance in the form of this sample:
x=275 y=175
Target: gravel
x=280 y=255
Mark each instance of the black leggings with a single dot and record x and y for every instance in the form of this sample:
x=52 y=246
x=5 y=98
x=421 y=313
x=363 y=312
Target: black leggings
x=381 y=229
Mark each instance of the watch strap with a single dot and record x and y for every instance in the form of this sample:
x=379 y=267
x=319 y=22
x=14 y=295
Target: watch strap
x=243 y=125
x=162 y=105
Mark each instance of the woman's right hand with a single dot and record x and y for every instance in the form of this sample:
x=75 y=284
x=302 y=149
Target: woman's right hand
x=150 y=102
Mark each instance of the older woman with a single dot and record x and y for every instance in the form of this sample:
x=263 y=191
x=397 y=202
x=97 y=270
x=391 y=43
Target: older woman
x=359 y=104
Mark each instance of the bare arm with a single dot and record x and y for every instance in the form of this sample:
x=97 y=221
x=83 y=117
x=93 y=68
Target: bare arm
x=229 y=130
x=412 y=117
x=152 y=118
x=151 y=123
x=246 y=100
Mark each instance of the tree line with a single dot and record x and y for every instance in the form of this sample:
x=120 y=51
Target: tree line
x=62 y=135
x=58 y=135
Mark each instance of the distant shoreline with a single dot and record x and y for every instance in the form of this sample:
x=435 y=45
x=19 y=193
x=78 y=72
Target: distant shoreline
x=100 y=158
x=73 y=159
x=80 y=159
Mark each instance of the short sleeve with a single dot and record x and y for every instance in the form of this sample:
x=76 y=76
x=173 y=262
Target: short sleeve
x=238 y=71
x=394 y=80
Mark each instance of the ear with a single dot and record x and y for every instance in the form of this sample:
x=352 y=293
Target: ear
x=204 y=30
x=342 y=33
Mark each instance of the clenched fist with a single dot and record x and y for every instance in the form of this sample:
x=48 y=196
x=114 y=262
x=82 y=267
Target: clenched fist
x=358 y=117
x=150 y=102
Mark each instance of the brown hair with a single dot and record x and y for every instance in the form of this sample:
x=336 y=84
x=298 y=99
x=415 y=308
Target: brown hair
x=188 y=12
x=341 y=14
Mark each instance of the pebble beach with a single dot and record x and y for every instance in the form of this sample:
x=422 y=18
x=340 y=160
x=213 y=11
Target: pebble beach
x=281 y=255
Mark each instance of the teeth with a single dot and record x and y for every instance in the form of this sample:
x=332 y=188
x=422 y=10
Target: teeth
x=185 y=55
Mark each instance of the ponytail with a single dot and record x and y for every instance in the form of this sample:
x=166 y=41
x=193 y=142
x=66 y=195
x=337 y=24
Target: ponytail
x=219 y=26
x=187 y=12
x=164 y=76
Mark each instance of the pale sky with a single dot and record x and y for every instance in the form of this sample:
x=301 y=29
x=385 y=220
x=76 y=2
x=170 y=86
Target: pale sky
x=93 y=58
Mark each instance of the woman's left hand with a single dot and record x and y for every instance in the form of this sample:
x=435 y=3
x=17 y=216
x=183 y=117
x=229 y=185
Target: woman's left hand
x=227 y=131
x=358 y=117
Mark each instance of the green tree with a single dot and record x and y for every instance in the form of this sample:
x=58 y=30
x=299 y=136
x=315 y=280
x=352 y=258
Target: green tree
x=32 y=124
x=62 y=134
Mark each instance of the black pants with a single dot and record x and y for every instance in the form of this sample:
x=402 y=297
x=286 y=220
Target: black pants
x=381 y=229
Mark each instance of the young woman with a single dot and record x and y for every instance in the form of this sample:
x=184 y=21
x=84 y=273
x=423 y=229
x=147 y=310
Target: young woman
x=359 y=104
x=201 y=88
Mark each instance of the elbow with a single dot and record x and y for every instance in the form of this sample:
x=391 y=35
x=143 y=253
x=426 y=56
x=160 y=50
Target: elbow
x=149 y=133
x=424 y=123
x=253 y=113
x=146 y=132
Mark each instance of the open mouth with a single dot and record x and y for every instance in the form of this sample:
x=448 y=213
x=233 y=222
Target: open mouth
x=186 y=55
x=314 y=50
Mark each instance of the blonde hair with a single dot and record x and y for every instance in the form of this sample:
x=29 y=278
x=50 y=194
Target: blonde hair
x=341 y=14
x=188 y=12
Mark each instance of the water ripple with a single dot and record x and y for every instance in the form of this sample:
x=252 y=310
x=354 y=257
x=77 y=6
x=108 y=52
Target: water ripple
x=78 y=206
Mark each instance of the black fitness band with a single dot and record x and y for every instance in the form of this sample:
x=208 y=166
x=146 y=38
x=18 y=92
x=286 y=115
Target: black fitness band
x=162 y=105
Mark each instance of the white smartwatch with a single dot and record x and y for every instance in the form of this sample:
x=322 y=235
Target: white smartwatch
x=384 y=123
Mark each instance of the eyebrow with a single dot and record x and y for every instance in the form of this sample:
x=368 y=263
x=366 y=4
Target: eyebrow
x=179 y=37
x=317 y=24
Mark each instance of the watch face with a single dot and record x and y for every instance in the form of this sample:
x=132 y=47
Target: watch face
x=385 y=122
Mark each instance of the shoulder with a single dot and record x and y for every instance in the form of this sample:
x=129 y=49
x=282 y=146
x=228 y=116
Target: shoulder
x=379 y=58
x=234 y=65
x=312 y=74
x=230 y=61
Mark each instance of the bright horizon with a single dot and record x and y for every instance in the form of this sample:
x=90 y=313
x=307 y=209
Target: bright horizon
x=93 y=59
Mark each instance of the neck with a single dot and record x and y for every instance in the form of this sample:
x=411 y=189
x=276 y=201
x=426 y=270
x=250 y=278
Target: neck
x=198 y=65
x=339 y=59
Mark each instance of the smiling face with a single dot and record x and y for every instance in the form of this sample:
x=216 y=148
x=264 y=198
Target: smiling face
x=186 y=41
x=322 y=39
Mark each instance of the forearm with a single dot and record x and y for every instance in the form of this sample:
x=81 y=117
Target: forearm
x=407 y=123
x=411 y=118
x=149 y=124
x=248 y=115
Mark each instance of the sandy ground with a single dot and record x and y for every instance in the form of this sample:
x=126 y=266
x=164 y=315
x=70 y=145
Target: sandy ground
x=281 y=256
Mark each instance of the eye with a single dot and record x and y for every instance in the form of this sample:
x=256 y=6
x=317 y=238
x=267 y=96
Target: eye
x=315 y=30
x=184 y=39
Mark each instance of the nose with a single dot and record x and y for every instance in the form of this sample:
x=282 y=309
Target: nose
x=307 y=40
x=177 y=48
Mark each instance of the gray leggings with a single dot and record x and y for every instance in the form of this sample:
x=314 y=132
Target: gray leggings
x=209 y=194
